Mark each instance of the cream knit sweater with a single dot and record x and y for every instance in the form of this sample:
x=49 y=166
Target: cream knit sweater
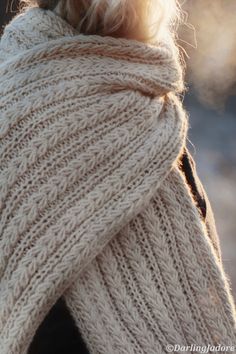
x=92 y=204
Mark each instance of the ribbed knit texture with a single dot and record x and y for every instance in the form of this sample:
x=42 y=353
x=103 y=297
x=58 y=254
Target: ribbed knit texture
x=92 y=203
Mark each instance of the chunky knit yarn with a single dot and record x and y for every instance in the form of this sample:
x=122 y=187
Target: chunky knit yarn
x=93 y=206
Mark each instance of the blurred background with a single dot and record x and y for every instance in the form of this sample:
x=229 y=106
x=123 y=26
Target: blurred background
x=208 y=39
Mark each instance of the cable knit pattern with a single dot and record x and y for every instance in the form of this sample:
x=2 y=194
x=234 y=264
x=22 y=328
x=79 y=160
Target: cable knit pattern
x=92 y=203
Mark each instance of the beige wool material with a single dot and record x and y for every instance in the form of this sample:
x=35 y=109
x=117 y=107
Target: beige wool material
x=93 y=205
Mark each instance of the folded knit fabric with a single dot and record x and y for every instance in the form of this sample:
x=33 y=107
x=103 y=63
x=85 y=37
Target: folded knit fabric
x=92 y=203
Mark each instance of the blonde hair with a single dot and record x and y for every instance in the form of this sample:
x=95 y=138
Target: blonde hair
x=142 y=20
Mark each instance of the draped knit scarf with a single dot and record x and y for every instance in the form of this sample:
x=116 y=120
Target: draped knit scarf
x=93 y=206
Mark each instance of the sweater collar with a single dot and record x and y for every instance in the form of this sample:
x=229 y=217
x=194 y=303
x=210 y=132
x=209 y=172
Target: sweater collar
x=30 y=28
x=37 y=28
